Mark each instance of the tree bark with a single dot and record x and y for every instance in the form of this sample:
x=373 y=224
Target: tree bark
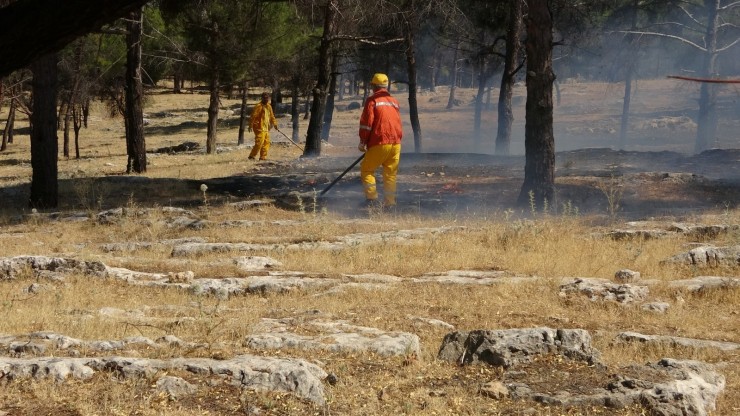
x=243 y=112
x=706 y=131
x=44 y=145
x=329 y=109
x=453 y=83
x=505 y=111
x=211 y=134
x=8 y=130
x=539 y=142
x=631 y=66
x=77 y=122
x=32 y=28
x=136 y=146
x=410 y=27
x=294 y=111
x=212 y=123
x=313 y=136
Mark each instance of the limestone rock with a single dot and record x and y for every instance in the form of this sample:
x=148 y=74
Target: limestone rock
x=636 y=337
x=508 y=347
x=708 y=256
x=332 y=336
x=601 y=289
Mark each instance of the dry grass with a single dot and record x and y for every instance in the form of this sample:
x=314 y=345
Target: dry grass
x=550 y=246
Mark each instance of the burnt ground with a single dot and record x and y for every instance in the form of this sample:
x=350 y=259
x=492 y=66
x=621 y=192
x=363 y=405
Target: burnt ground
x=646 y=183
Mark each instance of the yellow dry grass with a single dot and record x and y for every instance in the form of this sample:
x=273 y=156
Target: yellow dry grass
x=550 y=247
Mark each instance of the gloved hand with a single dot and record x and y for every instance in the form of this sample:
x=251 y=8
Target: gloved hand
x=249 y=129
x=275 y=127
x=361 y=147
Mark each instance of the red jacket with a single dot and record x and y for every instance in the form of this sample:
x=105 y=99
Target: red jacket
x=380 y=122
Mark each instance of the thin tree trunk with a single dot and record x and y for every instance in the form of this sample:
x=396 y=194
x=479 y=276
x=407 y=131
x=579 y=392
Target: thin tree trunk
x=505 y=111
x=212 y=113
x=243 y=112
x=455 y=72
x=294 y=113
x=307 y=107
x=8 y=130
x=410 y=27
x=136 y=145
x=313 y=137
x=10 y=125
x=77 y=123
x=65 y=134
x=539 y=142
x=329 y=110
x=706 y=130
x=631 y=64
x=44 y=145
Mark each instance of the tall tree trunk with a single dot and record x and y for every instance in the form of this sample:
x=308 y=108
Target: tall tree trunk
x=294 y=112
x=177 y=79
x=539 y=142
x=243 y=112
x=8 y=130
x=77 y=123
x=706 y=131
x=44 y=145
x=313 y=137
x=66 y=126
x=329 y=110
x=505 y=111
x=136 y=145
x=455 y=72
x=340 y=87
x=479 y=109
x=410 y=27
x=212 y=113
x=434 y=73
x=631 y=67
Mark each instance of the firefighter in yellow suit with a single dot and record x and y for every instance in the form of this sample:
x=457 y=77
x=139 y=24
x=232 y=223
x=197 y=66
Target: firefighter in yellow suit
x=381 y=132
x=262 y=120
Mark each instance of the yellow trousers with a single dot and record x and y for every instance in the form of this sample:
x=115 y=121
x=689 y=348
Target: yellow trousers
x=387 y=156
x=261 y=145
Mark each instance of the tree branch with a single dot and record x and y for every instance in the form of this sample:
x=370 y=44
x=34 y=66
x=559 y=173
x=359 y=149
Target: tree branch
x=664 y=35
x=730 y=6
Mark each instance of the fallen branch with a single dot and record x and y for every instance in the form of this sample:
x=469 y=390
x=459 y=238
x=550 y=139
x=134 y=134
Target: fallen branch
x=714 y=81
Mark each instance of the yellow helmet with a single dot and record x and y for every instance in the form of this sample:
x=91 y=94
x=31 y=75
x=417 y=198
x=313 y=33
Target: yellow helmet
x=380 y=80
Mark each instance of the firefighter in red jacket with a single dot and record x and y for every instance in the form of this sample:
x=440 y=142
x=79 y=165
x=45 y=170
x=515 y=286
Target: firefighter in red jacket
x=380 y=138
x=262 y=120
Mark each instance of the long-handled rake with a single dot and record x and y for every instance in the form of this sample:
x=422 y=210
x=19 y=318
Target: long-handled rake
x=334 y=182
x=289 y=139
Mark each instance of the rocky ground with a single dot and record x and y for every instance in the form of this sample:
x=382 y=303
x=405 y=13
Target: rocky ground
x=204 y=297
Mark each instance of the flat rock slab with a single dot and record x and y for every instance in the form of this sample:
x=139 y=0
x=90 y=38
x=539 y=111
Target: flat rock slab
x=473 y=277
x=35 y=266
x=705 y=283
x=708 y=256
x=294 y=376
x=39 y=342
x=334 y=336
x=508 y=347
x=635 y=337
x=341 y=242
x=605 y=290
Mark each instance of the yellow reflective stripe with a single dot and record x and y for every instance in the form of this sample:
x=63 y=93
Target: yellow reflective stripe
x=384 y=104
